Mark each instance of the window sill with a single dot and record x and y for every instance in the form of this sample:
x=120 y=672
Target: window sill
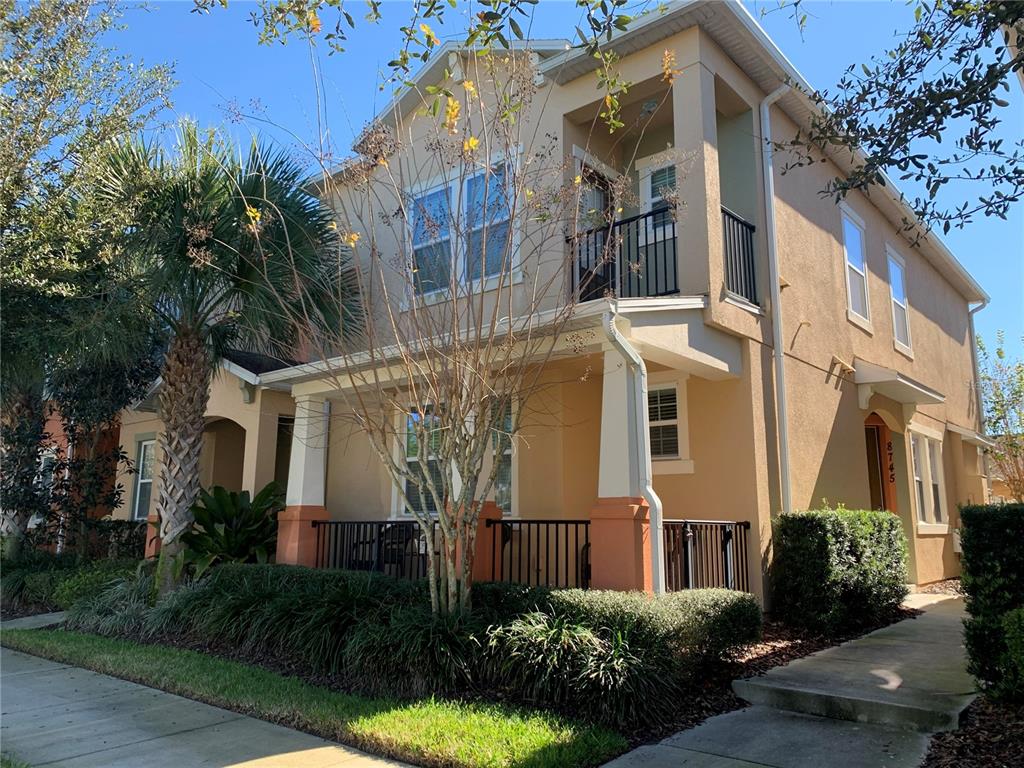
x=903 y=349
x=467 y=289
x=932 y=529
x=861 y=322
x=742 y=303
x=672 y=466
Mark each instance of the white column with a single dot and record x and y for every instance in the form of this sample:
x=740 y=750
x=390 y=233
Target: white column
x=307 y=469
x=617 y=475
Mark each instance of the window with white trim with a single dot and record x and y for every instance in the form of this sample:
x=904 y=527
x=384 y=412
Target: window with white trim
x=502 y=445
x=144 y=466
x=900 y=306
x=856 y=267
x=663 y=420
x=479 y=204
x=929 y=479
x=420 y=458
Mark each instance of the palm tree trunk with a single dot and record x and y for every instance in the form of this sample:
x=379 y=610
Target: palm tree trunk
x=184 y=394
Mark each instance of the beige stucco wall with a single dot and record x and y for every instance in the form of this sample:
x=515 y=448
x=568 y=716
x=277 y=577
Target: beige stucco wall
x=732 y=430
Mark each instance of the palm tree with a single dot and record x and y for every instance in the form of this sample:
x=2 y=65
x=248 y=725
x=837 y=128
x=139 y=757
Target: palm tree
x=218 y=243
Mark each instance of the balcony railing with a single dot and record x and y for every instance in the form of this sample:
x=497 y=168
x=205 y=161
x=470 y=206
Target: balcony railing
x=630 y=258
x=701 y=554
x=548 y=553
x=740 y=274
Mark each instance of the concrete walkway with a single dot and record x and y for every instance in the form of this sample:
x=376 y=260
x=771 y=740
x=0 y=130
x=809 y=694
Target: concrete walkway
x=56 y=715
x=874 y=701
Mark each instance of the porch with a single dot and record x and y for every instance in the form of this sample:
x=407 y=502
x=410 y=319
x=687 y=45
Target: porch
x=571 y=509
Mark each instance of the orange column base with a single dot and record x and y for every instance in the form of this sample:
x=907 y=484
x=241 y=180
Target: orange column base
x=152 y=536
x=296 y=536
x=483 y=559
x=620 y=545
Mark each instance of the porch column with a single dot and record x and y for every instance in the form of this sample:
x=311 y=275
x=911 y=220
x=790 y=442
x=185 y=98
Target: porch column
x=620 y=546
x=307 y=475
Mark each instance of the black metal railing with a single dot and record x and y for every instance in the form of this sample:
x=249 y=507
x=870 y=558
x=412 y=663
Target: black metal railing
x=630 y=258
x=706 y=553
x=396 y=548
x=740 y=270
x=550 y=553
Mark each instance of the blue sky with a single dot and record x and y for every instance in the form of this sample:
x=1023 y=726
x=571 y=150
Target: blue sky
x=222 y=69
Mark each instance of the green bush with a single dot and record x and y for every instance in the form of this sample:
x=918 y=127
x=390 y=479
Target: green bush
x=1012 y=684
x=838 y=569
x=22 y=573
x=89 y=580
x=617 y=658
x=993 y=581
x=119 y=608
x=231 y=528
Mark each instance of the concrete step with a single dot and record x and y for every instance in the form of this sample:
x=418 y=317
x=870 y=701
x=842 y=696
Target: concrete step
x=911 y=709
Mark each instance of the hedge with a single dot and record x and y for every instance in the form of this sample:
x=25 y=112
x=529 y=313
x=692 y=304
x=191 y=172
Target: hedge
x=610 y=657
x=838 y=569
x=993 y=580
x=57 y=581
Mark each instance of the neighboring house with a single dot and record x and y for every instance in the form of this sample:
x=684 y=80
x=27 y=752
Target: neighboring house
x=875 y=381
x=246 y=442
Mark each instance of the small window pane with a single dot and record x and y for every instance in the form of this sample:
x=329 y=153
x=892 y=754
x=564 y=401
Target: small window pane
x=663 y=180
x=145 y=468
x=431 y=217
x=664 y=440
x=915 y=449
x=496 y=236
x=661 y=405
x=488 y=189
x=503 y=482
x=935 y=465
x=433 y=267
x=902 y=328
x=899 y=291
x=416 y=488
x=145 y=493
x=858 y=295
x=853 y=240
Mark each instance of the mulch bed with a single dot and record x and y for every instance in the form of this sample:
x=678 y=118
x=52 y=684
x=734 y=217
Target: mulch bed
x=21 y=611
x=947 y=587
x=991 y=735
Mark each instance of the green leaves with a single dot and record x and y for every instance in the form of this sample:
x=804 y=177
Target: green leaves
x=229 y=527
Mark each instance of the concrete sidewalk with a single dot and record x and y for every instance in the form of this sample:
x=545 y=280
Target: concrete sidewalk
x=56 y=715
x=873 y=701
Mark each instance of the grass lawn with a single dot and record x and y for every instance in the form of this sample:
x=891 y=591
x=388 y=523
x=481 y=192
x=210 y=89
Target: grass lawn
x=428 y=732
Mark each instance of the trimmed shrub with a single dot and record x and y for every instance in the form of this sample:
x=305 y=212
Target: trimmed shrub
x=92 y=579
x=409 y=652
x=118 y=609
x=715 y=623
x=24 y=573
x=1012 y=684
x=838 y=569
x=993 y=580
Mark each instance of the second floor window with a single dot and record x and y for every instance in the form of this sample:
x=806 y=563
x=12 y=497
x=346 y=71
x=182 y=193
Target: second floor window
x=900 y=307
x=856 y=267
x=656 y=185
x=461 y=230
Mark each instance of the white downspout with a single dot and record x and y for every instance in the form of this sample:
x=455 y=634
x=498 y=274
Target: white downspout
x=974 y=359
x=778 y=354
x=638 y=379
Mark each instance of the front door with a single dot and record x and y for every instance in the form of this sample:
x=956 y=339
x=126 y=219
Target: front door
x=881 y=463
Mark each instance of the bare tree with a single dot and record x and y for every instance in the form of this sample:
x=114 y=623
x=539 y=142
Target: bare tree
x=1002 y=386
x=469 y=286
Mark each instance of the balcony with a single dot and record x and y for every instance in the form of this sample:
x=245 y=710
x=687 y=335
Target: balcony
x=638 y=257
x=630 y=258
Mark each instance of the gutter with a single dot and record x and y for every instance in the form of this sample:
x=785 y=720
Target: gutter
x=778 y=355
x=638 y=375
